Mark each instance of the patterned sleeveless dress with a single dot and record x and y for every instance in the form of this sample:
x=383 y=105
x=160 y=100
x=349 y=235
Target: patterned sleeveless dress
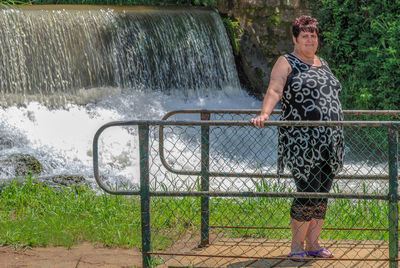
x=310 y=93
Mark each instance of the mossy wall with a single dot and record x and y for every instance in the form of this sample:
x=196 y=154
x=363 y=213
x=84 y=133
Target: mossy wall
x=263 y=33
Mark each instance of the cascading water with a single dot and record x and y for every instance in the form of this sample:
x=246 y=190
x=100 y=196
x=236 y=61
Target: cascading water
x=66 y=72
x=49 y=55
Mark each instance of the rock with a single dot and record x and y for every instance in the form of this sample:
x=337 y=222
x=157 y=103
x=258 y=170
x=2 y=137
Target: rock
x=54 y=181
x=266 y=34
x=23 y=164
x=65 y=180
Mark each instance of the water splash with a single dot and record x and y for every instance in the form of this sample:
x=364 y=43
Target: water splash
x=62 y=138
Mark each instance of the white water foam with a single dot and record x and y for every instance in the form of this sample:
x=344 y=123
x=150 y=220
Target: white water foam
x=62 y=138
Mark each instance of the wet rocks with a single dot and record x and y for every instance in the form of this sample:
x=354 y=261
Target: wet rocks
x=23 y=164
x=64 y=180
x=54 y=181
x=265 y=34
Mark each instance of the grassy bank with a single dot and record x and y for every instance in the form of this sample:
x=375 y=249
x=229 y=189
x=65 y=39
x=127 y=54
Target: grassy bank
x=36 y=215
x=33 y=214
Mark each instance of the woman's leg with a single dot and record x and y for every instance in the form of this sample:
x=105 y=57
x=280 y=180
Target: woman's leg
x=299 y=231
x=313 y=233
x=300 y=214
x=324 y=176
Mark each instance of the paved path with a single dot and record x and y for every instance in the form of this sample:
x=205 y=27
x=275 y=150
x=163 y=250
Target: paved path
x=272 y=253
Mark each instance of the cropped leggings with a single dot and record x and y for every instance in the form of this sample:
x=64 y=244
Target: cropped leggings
x=319 y=180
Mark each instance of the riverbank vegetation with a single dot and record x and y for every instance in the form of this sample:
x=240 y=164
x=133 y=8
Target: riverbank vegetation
x=360 y=40
x=33 y=214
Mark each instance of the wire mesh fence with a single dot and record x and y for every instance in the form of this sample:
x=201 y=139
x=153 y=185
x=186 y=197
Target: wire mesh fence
x=212 y=195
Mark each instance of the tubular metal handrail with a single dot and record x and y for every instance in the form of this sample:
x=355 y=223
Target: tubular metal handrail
x=145 y=193
x=205 y=114
x=278 y=111
x=161 y=123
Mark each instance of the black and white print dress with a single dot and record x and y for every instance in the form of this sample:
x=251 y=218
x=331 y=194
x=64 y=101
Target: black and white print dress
x=310 y=93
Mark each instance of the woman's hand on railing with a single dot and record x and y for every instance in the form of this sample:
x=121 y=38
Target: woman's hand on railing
x=259 y=120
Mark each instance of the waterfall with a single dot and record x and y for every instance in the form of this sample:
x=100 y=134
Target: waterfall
x=62 y=55
x=76 y=68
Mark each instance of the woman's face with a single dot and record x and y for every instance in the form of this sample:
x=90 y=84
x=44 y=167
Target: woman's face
x=306 y=42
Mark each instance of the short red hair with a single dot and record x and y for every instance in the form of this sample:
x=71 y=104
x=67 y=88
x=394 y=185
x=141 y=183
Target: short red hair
x=305 y=24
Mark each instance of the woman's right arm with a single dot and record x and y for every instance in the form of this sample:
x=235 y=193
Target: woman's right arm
x=277 y=82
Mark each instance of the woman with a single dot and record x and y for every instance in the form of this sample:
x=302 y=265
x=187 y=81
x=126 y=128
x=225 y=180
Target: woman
x=307 y=90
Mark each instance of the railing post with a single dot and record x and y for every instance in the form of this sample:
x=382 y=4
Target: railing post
x=205 y=183
x=393 y=139
x=144 y=193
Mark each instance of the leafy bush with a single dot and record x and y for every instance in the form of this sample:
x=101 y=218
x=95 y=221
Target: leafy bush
x=5 y=3
x=360 y=42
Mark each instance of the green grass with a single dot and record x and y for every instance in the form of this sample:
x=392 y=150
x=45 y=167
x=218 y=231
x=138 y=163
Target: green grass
x=341 y=213
x=33 y=214
x=36 y=215
x=274 y=212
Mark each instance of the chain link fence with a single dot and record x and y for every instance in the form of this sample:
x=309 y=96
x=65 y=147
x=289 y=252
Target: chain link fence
x=211 y=194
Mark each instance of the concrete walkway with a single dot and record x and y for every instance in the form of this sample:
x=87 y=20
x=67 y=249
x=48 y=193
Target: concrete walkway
x=224 y=252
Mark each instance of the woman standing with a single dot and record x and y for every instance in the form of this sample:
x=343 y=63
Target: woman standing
x=307 y=90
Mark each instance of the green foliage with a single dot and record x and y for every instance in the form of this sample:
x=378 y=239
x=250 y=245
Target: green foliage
x=360 y=40
x=6 y=3
x=273 y=213
x=34 y=214
x=232 y=26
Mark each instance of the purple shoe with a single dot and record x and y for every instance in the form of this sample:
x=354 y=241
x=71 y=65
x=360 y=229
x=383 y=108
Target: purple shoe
x=301 y=255
x=318 y=254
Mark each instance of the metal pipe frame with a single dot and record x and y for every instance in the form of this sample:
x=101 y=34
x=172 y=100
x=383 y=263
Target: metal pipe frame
x=205 y=124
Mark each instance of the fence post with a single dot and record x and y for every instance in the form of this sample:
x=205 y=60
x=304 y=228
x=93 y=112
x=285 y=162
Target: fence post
x=205 y=183
x=393 y=135
x=144 y=193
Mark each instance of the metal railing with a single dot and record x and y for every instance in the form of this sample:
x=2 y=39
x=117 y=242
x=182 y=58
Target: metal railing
x=150 y=144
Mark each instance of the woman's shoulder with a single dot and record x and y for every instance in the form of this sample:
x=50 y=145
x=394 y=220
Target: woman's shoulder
x=289 y=57
x=323 y=61
x=282 y=66
x=283 y=60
